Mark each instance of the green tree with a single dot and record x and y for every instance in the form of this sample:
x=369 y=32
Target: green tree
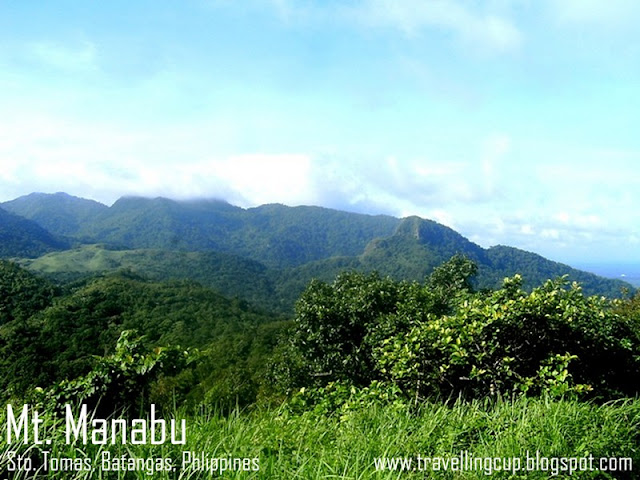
x=119 y=381
x=339 y=326
x=553 y=340
x=333 y=321
x=442 y=339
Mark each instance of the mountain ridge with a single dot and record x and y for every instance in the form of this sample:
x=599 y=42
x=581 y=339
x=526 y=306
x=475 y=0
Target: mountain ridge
x=263 y=233
x=277 y=247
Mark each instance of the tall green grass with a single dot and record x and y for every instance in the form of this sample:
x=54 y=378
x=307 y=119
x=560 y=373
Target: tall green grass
x=308 y=445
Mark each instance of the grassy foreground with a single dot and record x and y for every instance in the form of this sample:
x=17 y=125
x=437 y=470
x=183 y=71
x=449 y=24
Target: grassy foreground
x=346 y=445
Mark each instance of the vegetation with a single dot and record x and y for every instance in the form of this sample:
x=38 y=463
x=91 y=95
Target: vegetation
x=275 y=235
x=21 y=293
x=401 y=343
x=283 y=248
x=436 y=339
x=64 y=340
x=59 y=213
x=20 y=237
x=349 y=444
x=230 y=275
x=439 y=339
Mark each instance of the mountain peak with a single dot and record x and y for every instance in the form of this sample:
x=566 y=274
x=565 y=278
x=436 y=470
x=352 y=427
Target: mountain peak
x=60 y=213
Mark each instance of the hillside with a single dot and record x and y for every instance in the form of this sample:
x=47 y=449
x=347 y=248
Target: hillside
x=20 y=237
x=48 y=336
x=59 y=213
x=505 y=261
x=367 y=359
x=265 y=255
x=275 y=235
x=418 y=246
x=231 y=275
x=400 y=256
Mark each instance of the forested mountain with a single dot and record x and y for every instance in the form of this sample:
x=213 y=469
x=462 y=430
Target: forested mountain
x=59 y=213
x=21 y=293
x=275 y=235
x=265 y=255
x=20 y=237
x=179 y=303
x=410 y=254
x=418 y=246
x=505 y=261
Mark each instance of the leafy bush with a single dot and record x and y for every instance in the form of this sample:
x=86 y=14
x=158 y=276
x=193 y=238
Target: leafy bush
x=440 y=339
x=118 y=381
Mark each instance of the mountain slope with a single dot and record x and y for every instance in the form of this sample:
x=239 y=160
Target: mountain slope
x=61 y=341
x=20 y=237
x=418 y=246
x=275 y=235
x=59 y=213
x=21 y=293
x=228 y=274
x=507 y=261
x=267 y=254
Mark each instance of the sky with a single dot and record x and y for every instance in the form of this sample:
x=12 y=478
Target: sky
x=512 y=121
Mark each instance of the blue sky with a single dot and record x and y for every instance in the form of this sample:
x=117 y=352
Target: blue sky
x=512 y=121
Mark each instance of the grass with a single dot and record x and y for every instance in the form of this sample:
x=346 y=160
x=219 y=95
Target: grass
x=307 y=445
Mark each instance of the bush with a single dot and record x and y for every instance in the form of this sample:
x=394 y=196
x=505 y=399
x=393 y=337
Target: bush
x=440 y=339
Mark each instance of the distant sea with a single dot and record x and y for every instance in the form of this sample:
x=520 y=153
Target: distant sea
x=628 y=272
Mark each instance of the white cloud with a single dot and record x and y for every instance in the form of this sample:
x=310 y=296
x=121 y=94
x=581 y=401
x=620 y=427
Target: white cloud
x=443 y=217
x=527 y=230
x=496 y=148
x=486 y=30
x=262 y=178
x=550 y=233
x=103 y=162
x=579 y=223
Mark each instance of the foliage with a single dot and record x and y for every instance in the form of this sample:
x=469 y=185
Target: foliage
x=343 y=398
x=439 y=339
x=339 y=326
x=228 y=274
x=334 y=322
x=21 y=293
x=450 y=283
x=118 y=381
x=60 y=342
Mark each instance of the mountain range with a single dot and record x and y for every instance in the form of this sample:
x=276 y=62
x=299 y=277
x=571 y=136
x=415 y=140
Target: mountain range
x=264 y=255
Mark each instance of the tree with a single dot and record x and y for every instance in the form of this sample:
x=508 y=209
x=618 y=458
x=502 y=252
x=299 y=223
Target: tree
x=339 y=326
x=333 y=321
x=442 y=339
x=118 y=381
